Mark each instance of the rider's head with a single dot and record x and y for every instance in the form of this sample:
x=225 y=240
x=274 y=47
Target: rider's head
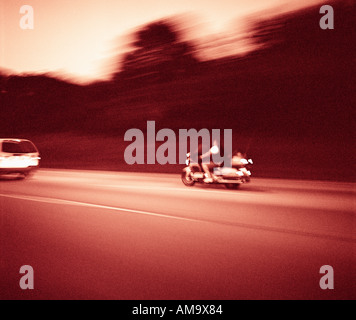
x=214 y=149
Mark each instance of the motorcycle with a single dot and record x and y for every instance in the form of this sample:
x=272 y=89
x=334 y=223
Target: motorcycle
x=231 y=177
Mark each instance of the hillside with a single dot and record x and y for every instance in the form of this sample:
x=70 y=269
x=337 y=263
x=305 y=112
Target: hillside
x=290 y=103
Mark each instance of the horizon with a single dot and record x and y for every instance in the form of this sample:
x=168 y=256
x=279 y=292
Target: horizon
x=104 y=40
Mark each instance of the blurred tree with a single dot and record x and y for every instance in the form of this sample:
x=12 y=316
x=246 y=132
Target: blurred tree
x=156 y=34
x=310 y=72
x=158 y=53
x=298 y=33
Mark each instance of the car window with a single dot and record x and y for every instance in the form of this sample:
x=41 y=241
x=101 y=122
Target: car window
x=18 y=147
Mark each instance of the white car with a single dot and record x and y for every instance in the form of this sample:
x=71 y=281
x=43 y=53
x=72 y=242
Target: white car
x=18 y=156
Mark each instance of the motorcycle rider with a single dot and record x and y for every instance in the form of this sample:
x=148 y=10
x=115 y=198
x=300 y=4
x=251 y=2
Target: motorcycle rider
x=205 y=161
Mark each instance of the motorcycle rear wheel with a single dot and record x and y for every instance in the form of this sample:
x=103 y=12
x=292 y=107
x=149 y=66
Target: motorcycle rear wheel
x=232 y=186
x=187 y=179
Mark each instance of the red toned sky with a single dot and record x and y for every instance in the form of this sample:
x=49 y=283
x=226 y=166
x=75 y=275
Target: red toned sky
x=76 y=37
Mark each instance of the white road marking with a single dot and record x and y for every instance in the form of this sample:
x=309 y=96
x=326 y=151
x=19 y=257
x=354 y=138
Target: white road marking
x=281 y=197
x=86 y=204
x=147 y=213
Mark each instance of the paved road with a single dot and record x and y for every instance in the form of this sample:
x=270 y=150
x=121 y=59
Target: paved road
x=104 y=235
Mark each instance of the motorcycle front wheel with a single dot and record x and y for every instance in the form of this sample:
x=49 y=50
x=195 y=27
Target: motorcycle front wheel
x=187 y=179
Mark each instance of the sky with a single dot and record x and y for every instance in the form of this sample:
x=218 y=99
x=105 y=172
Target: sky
x=78 y=37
